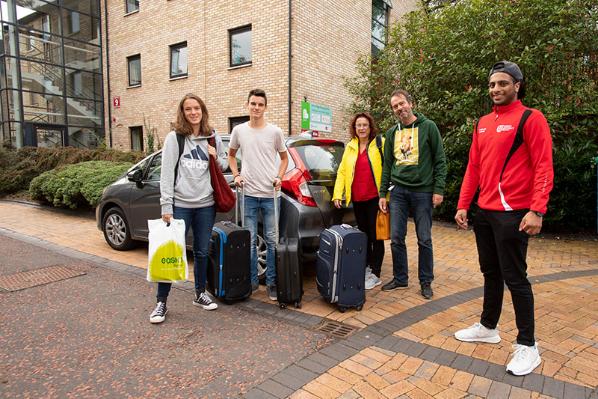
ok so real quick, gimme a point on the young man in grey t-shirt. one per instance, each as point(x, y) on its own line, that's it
point(260, 143)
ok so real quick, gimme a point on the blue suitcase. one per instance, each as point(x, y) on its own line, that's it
point(341, 263)
point(228, 274)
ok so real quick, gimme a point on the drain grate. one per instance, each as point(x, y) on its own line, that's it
point(32, 278)
point(335, 329)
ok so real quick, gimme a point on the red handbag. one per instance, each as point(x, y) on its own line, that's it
point(224, 198)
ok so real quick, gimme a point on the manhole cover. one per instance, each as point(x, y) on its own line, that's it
point(335, 328)
point(32, 278)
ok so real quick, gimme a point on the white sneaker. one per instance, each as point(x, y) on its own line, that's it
point(159, 313)
point(372, 282)
point(478, 333)
point(525, 360)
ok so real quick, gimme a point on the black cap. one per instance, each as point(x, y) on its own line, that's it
point(507, 67)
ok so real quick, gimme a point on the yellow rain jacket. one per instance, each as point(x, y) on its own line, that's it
point(346, 170)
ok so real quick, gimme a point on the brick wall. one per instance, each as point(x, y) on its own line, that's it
point(327, 36)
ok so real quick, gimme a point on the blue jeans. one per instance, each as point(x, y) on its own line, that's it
point(253, 206)
point(201, 221)
point(402, 201)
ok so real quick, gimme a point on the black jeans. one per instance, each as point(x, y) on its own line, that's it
point(502, 250)
point(365, 215)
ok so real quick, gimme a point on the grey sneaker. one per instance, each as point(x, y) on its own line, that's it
point(159, 313)
point(203, 299)
point(271, 291)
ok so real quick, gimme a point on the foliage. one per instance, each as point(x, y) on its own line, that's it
point(153, 140)
point(443, 58)
point(77, 185)
point(18, 168)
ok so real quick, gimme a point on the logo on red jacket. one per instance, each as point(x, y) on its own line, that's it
point(504, 128)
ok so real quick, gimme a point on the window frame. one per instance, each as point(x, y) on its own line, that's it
point(139, 129)
point(231, 33)
point(132, 10)
point(178, 46)
point(129, 59)
point(375, 41)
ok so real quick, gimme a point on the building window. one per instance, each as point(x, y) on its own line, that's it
point(74, 21)
point(178, 60)
point(237, 120)
point(77, 83)
point(380, 12)
point(240, 46)
point(131, 6)
point(136, 138)
point(134, 66)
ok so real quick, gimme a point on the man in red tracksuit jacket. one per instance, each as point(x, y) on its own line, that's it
point(512, 201)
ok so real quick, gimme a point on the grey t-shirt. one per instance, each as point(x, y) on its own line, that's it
point(260, 159)
point(193, 187)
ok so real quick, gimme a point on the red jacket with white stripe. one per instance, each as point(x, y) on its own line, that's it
point(528, 177)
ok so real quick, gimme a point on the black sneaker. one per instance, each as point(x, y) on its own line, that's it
point(271, 291)
point(427, 290)
point(159, 313)
point(394, 285)
point(202, 299)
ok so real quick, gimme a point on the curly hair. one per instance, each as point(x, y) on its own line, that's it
point(182, 125)
point(373, 127)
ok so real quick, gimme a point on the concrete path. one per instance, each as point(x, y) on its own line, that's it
point(401, 345)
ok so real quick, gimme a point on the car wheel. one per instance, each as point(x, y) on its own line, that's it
point(262, 251)
point(116, 230)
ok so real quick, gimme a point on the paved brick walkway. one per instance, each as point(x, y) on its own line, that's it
point(404, 346)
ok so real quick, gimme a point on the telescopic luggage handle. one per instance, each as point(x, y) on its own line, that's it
point(276, 215)
point(240, 204)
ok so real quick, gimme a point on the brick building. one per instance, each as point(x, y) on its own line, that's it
point(158, 50)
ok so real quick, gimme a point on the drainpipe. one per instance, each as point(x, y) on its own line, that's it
point(108, 73)
point(290, 58)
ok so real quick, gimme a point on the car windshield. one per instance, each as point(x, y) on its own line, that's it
point(321, 159)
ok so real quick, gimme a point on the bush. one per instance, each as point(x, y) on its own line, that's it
point(443, 58)
point(77, 185)
point(18, 168)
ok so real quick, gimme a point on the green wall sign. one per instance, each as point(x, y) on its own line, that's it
point(316, 117)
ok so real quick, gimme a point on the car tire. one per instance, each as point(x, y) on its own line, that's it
point(116, 230)
point(261, 258)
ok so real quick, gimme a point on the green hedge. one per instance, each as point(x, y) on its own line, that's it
point(78, 185)
point(18, 168)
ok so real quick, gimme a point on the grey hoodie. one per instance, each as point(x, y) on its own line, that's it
point(193, 187)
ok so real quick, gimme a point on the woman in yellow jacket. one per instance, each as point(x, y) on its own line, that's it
point(358, 178)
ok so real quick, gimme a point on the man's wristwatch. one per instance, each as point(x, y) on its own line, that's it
point(539, 214)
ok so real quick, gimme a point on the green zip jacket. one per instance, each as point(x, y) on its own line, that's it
point(414, 158)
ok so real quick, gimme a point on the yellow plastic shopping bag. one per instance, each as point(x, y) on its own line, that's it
point(167, 255)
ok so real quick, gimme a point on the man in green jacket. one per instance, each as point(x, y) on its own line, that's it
point(415, 170)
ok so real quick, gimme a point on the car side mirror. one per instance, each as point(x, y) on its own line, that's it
point(135, 175)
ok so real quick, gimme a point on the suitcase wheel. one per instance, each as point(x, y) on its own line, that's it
point(298, 305)
point(282, 305)
point(359, 307)
point(342, 309)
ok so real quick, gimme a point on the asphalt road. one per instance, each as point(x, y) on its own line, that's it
point(90, 336)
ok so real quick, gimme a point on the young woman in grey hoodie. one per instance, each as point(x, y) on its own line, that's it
point(186, 191)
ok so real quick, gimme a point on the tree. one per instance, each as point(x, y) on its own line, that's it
point(443, 58)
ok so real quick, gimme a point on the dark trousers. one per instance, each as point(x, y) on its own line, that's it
point(402, 201)
point(502, 250)
point(365, 215)
point(201, 221)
